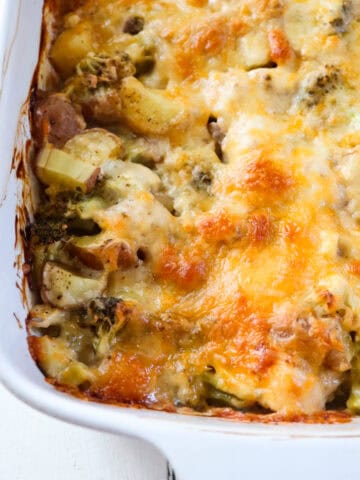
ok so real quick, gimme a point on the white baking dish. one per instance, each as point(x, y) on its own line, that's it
point(198, 448)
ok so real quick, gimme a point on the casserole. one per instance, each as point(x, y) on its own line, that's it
point(197, 447)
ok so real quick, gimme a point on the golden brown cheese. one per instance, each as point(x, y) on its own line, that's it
point(234, 247)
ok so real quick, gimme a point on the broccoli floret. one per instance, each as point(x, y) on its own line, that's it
point(103, 311)
point(95, 86)
point(100, 69)
point(50, 223)
point(49, 230)
point(107, 316)
point(56, 221)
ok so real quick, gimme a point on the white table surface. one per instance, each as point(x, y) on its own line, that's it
point(36, 447)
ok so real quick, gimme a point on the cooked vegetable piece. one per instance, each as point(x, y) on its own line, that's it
point(103, 310)
point(224, 386)
point(63, 288)
point(55, 118)
point(218, 398)
point(95, 146)
point(150, 111)
point(255, 50)
point(76, 374)
point(108, 315)
point(99, 69)
point(44, 316)
point(121, 177)
point(56, 167)
point(46, 230)
point(145, 153)
point(59, 361)
point(95, 86)
point(353, 402)
point(103, 107)
point(101, 251)
point(71, 46)
point(53, 225)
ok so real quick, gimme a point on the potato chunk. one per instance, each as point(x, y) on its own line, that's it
point(123, 177)
point(54, 166)
point(65, 289)
point(95, 146)
point(44, 316)
point(59, 361)
point(70, 47)
point(150, 111)
point(103, 252)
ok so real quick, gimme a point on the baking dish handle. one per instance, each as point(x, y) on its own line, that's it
point(221, 456)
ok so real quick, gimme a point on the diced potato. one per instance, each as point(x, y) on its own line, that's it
point(144, 152)
point(65, 289)
point(58, 362)
point(95, 146)
point(329, 243)
point(101, 251)
point(44, 316)
point(75, 374)
point(70, 47)
point(150, 111)
point(255, 50)
point(337, 285)
point(53, 355)
point(121, 177)
point(349, 167)
point(54, 166)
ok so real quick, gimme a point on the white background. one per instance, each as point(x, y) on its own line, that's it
point(35, 447)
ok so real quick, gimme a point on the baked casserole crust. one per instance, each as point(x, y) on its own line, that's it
point(196, 240)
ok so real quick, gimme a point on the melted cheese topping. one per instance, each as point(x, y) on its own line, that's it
point(247, 283)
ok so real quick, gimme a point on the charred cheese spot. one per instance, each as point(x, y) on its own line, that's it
point(186, 269)
point(200, 42)
point(127, 378)
point(249, 338)
point(265, 177)
point(259, 228)
point(220, 228)
point(280, 48)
